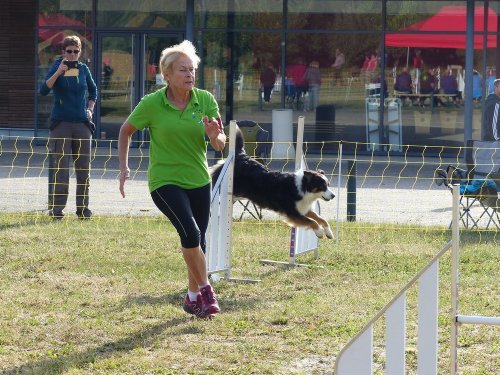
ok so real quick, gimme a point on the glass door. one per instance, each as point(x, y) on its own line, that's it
point(118, 65)
point(128, 70)
point(153, 46)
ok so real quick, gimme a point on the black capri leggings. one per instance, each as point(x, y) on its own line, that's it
point(188, 210)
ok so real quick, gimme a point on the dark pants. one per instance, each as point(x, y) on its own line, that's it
point(267, 93)
point(299, 92)
point(435, 100)
point(404, 91)
point(69, 141)
point(188, 210)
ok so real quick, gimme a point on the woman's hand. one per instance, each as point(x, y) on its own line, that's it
point(60, 71)
point(126, 132)
point(215, 132)
point(62, 68)
point(124, 176)
point(212, 127)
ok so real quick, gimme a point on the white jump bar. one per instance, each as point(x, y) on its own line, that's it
point(474, 319)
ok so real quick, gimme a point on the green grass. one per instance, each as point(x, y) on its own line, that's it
point(104, 297)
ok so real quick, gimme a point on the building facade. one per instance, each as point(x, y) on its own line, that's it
point(336, 62)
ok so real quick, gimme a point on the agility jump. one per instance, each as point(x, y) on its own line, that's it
point(357, 356)
point(219, 233)
point(302, 241)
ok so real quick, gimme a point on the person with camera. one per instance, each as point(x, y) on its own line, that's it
point(71, 128)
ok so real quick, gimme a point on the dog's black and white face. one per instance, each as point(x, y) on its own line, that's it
point(312, 186)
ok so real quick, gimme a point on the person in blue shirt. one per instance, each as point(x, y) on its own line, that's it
point(71, 128)
point(477, 86)
point(449, 85)
point(490, 82)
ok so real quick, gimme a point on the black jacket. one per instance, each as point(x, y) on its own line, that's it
point(491, 119)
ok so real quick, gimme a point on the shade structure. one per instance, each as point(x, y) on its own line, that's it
point(447, 19)
point(56, 36)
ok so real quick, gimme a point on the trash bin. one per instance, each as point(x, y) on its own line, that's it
point(392, 124)
point(325, 124)
point(282, 125)
point(372, 124)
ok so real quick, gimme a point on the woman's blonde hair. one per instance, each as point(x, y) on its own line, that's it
point(72, 40)
point(170, 54)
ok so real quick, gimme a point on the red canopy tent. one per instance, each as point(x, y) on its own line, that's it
point(451, 19)
point(56, 36)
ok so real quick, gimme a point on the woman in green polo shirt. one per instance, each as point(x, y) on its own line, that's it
point(178, 117)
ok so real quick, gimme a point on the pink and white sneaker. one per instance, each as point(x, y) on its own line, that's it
point(195, 307)
point(209, 300)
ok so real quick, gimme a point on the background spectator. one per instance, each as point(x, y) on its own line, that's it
point(491, 118)
point(267, 80)
point(403, 83)
point(297, 75)
point(107, 71)
point(337, 65)
point(371, 67)
point(490, 82)
point(449, 85)
point(71, 129)
point(477, 87)
point(429, 85)
point(313, 76)
point(418, 62)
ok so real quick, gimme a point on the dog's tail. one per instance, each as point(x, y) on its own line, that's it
point(239, 147)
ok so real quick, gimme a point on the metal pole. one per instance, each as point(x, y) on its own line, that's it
point(339, 162)
point(351, 190)
point(455, 238)
point(51, 182)
point(469, 64)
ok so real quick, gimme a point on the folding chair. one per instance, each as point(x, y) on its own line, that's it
point(249, 208)
point(483, 164)
point(479, 185)
point(256, 140)
point(257, 146)
point(484, 193)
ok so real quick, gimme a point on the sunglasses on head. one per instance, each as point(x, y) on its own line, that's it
point(75, 51)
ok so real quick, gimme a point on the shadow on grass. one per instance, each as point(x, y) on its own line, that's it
point(62, 364)
point(35, 219)
point(176, 299)
point(140, 339)
point(474, 236)
point(142, 299)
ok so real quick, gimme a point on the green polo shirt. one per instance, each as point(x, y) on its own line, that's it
point(178, 151)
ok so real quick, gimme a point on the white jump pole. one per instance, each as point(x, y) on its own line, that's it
point(455, 238)
point(475, 319)
point(337, 221)
point(457, 319)
point(300, 140)
point(229, 196)
point(301, 240)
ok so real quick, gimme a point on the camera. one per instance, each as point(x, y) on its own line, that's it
point(71, 64)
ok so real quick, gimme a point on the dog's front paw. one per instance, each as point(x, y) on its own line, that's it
point(329, 233)
point(319, 232)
